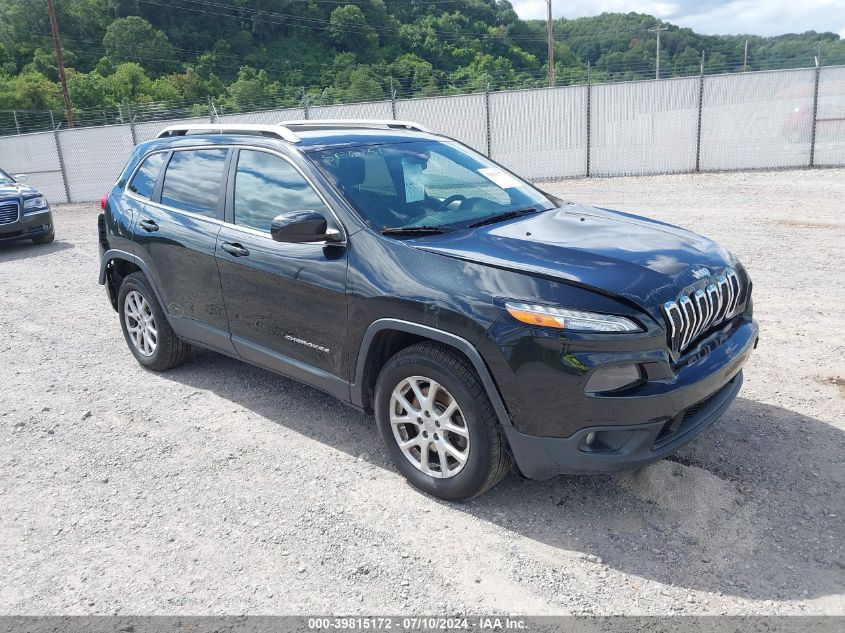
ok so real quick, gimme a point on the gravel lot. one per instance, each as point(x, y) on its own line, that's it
point(222, 488)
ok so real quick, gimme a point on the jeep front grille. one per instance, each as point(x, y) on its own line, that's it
point(698, 312)
point(8, 212)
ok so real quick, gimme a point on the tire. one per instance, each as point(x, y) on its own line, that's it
point(44, 239)
point(153, 342)
point(476, 436)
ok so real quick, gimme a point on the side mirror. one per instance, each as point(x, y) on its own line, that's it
point(302, 226)
point(20, 177)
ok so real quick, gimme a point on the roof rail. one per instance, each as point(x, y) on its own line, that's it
point(285, 130)
point(339, 124)
point(277, 130)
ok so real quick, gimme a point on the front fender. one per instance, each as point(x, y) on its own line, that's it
point(447, 338)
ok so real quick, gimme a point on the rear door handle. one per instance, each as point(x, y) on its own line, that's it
point(234, 249)
point(149, 226)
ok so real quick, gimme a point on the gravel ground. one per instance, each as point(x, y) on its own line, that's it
point(222, 488)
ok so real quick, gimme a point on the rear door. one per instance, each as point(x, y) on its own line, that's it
point(286, 302)
point(176, 235)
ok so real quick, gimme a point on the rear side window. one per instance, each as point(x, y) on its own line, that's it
point(265, 186)
point(145, 178)
point(192, 180)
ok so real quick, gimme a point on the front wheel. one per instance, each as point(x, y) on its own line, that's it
point(145, 328)
point(437, 423)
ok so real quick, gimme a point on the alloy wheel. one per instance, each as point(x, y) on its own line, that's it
point(140, 323)
point(429, 427)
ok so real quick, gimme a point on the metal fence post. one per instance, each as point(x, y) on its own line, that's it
point(700, 108)
point(304, 103)
point(815, 113)
point(61, 157)
point(487, 116)
point(15, 116)
point(589, 97)
point(131, 125)
point(213, 116)
point(392, 99)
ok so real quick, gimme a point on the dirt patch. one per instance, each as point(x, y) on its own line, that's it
point(836, 382)
point(810, 225)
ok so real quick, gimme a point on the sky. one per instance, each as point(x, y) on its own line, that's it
point(713, 17)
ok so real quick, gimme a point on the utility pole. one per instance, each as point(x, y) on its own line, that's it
point(658, 29)
point(745, 58)
point(57, 43)
point(551, 43)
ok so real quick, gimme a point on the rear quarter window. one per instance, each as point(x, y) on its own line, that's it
point(144, 180)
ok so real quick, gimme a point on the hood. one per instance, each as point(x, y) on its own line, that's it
point(15, 190)
point(645, 261)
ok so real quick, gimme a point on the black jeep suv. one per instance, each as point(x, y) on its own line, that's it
point(483, 321)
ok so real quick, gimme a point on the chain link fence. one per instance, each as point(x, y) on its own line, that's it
point(753, 120)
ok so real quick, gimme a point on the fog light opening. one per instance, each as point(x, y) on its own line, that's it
point(605, 441)
point(614, 378)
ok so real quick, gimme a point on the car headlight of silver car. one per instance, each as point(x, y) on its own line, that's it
point(566, 319)
point(37, 204)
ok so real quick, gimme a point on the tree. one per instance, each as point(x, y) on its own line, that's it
point(33, 91)
point(128, 84)
point(349, 30)
point(133, 39)
point(44, 62)
point(413, 75)
point(252, 90)
point(364, 85)
point(87, 90)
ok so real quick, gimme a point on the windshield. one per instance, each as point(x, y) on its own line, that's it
point(5, 179)
point(429, 184)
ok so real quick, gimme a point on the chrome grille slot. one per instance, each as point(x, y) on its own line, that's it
point(696, 313)
point(9, 212)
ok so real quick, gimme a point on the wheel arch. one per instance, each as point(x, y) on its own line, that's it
point(385, 337)
point(115, 265)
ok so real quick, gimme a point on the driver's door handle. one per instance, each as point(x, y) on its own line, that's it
point(234, 249)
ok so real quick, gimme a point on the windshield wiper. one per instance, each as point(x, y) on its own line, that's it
point(415, 230)
point(501, 217)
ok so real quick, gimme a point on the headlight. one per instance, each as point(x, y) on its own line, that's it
point(30, 205)
point(565, 319)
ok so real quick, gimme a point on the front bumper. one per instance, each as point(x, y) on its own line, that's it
point(632, 430)
point(27, 226)
point(545, 457)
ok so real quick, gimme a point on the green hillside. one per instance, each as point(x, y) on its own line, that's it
point(249, 53)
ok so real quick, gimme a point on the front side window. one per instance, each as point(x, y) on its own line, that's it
point(145, 178)
point(426, 184)
point(266, 186)
point(192, 180)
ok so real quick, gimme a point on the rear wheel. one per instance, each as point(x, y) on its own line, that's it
point(437, 423)
point(145, 328)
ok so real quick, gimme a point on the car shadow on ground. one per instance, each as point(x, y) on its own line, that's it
point(752, 508)
point(13, 251)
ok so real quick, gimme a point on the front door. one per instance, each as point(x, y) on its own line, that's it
point(286, 303)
